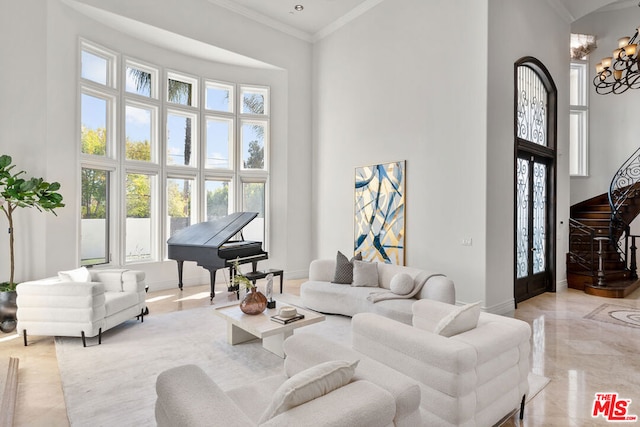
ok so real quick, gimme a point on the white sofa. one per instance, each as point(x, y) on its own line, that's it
point(186, 396)
point(80, 303)
point(320, 294)
point(472, 378)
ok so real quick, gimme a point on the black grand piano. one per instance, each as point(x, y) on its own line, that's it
point(209, 244)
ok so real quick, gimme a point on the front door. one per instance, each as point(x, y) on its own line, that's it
point(535, 117)
point(532, 226)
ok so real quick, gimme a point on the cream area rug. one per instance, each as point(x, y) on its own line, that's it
point(114, 383)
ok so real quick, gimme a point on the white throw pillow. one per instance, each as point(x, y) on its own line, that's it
point(462, 319)
point(365, 274)
point(308, 385)
point(401, 284)
point(78, 275)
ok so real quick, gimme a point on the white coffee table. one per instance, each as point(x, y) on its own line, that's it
point(245, 327)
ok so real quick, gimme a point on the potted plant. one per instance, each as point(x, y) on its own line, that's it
point(19, 192)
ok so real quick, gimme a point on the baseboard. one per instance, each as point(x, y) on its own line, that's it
point(296, 274)
point(506, 308)
point(199, 280)
point(562, 285)
point(8, 403)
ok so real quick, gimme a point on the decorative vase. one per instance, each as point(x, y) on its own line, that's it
point(8, 309)
point(254, 302)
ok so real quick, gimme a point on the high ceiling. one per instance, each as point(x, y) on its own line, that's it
point(317, 15)
point(576, 9)
point(320, 17)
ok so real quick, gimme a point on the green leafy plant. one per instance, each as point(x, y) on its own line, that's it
point(239, 279)
point(7, 287)
point(18, 192)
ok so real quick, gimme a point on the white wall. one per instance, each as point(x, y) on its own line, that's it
point(432, 83)
point(613, 134)
point(519, 28)
point(23, 124)
point(393, 85)
point(45, 67)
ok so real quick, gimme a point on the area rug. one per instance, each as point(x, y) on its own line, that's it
point(616, 314)
point(536, 384)
point(114, 383)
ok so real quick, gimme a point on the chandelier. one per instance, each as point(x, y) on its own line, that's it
point(619, 72)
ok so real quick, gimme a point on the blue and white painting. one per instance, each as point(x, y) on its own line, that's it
point(379, 212)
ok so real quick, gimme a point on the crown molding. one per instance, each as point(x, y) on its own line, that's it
point(166, 39)
point(618, 5)
point(356, 12)
point(262, 19)
point(562, 11)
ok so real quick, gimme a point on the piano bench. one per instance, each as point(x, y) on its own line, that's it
point(255, 275)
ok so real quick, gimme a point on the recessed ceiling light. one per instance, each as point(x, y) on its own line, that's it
point(299, 7)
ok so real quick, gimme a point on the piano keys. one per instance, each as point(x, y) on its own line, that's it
point(209, 244)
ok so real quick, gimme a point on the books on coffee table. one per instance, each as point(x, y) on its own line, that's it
point(285, 320)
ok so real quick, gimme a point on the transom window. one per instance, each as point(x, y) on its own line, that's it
point(155, 159)
point(532, 107)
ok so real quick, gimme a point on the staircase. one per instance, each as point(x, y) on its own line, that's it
point(601, 224)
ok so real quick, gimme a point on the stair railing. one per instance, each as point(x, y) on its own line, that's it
point(625, 185)
point(582, 245)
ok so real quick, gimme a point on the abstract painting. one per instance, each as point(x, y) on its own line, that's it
point(379, 212)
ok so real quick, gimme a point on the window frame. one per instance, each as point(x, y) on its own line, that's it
point(119, 167)
point(581, 110)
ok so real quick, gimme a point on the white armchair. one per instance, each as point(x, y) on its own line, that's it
point(80, 303)
point(473, 374)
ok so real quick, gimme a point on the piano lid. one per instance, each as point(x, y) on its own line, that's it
point(212, 233)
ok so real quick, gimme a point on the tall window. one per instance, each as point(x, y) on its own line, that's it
point(578, 119)
point(162, 150)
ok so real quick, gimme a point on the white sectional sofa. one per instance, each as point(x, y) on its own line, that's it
point(305, 393)
point(473, 378)
point(80, 303)
point(319, 293)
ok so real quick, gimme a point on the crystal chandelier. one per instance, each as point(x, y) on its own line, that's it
point(619, 72)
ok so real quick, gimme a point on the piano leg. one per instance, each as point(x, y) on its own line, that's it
point(212, 279)
point(180, 263)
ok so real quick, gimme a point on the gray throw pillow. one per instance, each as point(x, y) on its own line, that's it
point(344, 269)
point(365, 274)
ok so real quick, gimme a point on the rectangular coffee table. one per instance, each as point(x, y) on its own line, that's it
point(245, 327)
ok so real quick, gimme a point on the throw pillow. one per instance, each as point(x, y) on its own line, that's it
point(401, 284)
point(344, 269)
point(308, 385)
point(462, 319)
point(365, 274)
point(78, 275)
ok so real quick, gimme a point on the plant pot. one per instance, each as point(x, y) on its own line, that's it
point(254, 302)
point(8, 309)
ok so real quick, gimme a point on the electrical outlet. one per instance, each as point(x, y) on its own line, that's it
point(467, 241)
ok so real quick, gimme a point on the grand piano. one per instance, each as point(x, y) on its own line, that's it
point(209, 244)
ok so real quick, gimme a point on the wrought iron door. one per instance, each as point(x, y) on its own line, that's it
point(535, 169)
point(532, 226)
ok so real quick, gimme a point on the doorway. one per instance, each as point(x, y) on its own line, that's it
point(534, 168)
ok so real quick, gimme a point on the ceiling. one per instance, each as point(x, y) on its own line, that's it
point(317, 17)
point(321, 17)
point(576, 9)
